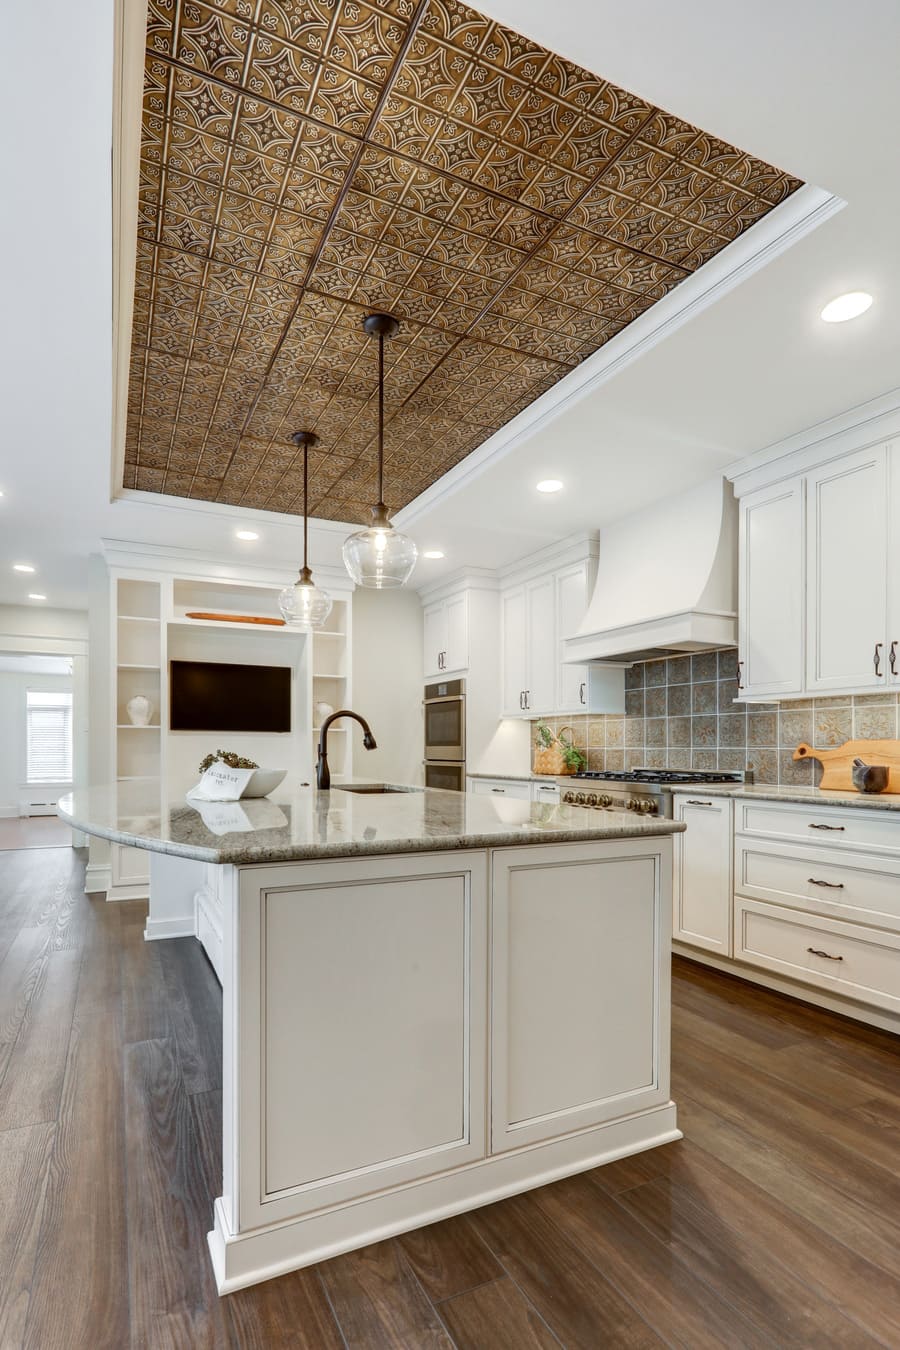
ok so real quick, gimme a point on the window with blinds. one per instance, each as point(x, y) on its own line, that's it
point(48, 737)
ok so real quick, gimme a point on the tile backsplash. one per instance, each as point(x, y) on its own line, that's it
point(680, 713)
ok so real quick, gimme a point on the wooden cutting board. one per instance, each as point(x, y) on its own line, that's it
point(837, 764)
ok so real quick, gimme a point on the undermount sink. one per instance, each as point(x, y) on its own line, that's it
point(372, 787)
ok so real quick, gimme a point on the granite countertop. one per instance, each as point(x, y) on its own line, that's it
point(807, 796)
point(308, 824)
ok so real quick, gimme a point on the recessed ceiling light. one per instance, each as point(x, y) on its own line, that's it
point(549, 485)
point(246, 534)
point(844, 307)
point(22, 567)
point(33, 595)
point(432, 553)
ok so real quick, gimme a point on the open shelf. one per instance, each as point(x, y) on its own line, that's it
point(131, 726)
point(130, 665)
point(136, 618)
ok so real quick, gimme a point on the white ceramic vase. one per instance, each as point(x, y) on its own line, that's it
point(139, 709)
point(322, 710)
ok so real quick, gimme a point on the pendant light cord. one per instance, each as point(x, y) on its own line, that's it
point(381, 418)
point(305, 505)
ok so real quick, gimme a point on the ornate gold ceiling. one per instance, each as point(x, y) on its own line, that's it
point(307, 161)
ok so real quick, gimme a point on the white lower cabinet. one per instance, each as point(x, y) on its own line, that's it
point(702, 882)
point(847, 958)
point(569, 962)
point(545, 792)
point(813, 895)
point(501, 787)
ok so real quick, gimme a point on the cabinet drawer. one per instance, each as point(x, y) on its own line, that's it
point(857, 887)
point(827, 826)
point(858, 962)
point(501, 787)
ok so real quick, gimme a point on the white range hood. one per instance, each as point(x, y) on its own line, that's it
point(666, 581)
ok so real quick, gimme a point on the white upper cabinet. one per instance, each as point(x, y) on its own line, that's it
point(770, 631)
point(446, 636)
point(572, 595)
point(540, 688)
point(847, 571)
point(892, 636)
point(536, 616)
point(514, 630)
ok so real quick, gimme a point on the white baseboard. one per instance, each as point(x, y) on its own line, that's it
point(97, 877)
point(242, 1259)
point(156, 930)
point(873, 1017)
point(8, 812)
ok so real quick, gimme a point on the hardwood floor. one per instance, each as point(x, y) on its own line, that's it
point(34, 832)
point(775, 1222)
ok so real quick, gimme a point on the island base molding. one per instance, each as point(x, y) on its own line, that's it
point(805, 993)
point(264, 1253)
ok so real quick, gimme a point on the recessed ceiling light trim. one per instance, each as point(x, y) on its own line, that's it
point(848, 306)
point(246, 534)
point(432, 553)
point(34, 595)
point(23, 567)
point(549, 485)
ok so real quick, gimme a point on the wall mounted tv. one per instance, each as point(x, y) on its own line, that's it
point(214, 696)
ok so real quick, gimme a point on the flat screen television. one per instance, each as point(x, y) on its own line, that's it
point(214, 696)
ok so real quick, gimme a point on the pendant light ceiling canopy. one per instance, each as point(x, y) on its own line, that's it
point(304, 605)
point(380, 558)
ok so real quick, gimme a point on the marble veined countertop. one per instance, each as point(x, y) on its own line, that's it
point(807, 796)
point(308, 824)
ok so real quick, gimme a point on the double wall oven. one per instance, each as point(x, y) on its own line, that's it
point(445, 735)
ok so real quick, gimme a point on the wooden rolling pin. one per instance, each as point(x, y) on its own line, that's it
point(837, 764)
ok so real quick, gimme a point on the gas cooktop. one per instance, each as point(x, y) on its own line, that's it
point(661, 776)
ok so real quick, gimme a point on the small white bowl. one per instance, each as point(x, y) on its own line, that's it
point(263, 782)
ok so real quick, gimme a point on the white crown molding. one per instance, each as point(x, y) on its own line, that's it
point(859, 427)
point(232, 513)
point(197, 563)
point(463, 578)
point(574, 548)
point(807, 209)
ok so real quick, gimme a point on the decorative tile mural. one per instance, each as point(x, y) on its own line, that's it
point(304, 162)
point(681, 713)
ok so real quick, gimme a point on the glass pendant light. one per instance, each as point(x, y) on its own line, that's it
point(304, 605)
point(380, 557)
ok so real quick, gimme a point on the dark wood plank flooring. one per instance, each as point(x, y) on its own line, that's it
point(775, 1222)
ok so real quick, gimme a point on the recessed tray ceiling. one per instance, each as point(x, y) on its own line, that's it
point(306, 162)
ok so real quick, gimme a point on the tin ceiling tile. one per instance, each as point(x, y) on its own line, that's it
point(306, 161)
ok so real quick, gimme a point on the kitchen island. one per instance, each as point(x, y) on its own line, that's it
point(431, 1000)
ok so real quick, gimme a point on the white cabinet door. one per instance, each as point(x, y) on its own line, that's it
point(540, 687)
point(571, 962)
point(893, 534)
point(571, 603)
point(456, 644)
point(517, 789)
point(847, 566)
point(702, 890)
point(514, 635)
point(434, 638)
point(771, 591)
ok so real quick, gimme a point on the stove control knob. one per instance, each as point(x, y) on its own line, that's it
point(647, 806)
point(569, 797)
point(632, 804)
point(592, 799)
point(604, 800)
point(580, 799)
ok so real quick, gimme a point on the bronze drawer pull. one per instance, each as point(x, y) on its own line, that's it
point(832, 885)
point(693, 802)
point(828, 827)
point(814, 951)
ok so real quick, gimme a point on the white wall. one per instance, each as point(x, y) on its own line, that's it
point(27, 621)
point(388, 684)
point(13, 688)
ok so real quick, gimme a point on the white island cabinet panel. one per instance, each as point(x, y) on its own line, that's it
point(702, 909)
point(368, 999)
point(575, 958)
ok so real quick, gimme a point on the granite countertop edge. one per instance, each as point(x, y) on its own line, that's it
point(630, 828)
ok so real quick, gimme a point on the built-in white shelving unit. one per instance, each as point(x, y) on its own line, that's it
point(151, 599)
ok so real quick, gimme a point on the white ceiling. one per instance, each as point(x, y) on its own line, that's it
point(810, 87)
